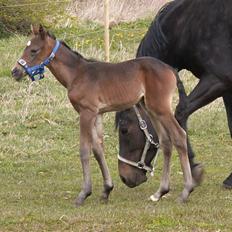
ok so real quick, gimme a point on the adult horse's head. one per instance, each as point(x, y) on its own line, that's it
point(36, 55)
point(135, 151)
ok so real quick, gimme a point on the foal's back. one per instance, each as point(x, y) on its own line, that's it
point(116, 86)
point(140, 70)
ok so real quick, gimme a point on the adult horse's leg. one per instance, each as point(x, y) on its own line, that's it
point(208, 89)
point(227, 98)
point(196, 168)
point(98, 152)
point(87, 119)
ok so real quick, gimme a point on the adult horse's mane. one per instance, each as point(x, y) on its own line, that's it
point(155, 37)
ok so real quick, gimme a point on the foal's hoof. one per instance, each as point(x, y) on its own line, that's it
point(181, 200)
point(227, 183)
point(198, 174)
point(104, 199)
point(79, 202)
point(105, 194)
point(154, 198)
point(81, 198)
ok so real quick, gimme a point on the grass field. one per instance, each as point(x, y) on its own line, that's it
point(40, 171)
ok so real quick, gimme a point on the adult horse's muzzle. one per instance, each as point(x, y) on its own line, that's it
point(130, 175)
point(132, 183)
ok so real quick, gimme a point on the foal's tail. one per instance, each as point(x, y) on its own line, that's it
point(227, 98)
point(180, 86)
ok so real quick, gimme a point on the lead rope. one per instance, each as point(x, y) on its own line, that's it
point(149, 140)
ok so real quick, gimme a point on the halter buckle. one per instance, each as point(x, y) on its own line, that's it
point(140, 165)
point(142, 125)
point(22, 62)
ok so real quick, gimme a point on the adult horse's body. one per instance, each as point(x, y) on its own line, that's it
point(197, 36)
point(97, 87)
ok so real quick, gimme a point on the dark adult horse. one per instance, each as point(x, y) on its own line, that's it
point(186, 34)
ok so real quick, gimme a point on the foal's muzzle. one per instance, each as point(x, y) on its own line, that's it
point(17, 73)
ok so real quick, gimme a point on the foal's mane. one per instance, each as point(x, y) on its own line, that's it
point(75, 52)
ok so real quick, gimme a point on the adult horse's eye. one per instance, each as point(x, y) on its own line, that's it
point(124, 130)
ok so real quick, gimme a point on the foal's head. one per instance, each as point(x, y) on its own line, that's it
point(37, 50)
point(131, 146)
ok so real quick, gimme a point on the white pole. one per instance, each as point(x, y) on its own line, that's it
point(107, 32)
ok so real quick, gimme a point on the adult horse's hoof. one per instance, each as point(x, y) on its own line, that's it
point(197, 173)
point(227, 183)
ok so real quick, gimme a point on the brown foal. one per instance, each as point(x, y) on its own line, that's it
point(97, 87)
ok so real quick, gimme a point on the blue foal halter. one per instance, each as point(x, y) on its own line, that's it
point(39, 69)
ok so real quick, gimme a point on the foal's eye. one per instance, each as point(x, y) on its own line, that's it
point(34, 51)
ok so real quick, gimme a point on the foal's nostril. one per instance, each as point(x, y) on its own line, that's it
point(14, 72)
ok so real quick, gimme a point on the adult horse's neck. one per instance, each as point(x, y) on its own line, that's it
point(65, 65)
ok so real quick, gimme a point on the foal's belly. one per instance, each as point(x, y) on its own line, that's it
point(116, 99)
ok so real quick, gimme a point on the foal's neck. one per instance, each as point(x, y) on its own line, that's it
point(66, 65)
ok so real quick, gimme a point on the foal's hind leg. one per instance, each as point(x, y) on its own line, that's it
point(98, 151)
point(166, 146)
point(178, 137)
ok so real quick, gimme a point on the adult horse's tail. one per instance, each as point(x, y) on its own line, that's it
point(227, 98)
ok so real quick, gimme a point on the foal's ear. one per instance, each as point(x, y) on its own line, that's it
point(38, 30)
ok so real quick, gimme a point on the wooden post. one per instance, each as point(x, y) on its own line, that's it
point(107, 32)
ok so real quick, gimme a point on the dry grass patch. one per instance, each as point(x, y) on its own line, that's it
point(120, 10)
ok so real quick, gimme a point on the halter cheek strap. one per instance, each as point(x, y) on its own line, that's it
point(39, 69)
point(149, 140)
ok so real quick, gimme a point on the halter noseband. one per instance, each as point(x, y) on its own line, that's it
point(149, 140)
point(39, 69)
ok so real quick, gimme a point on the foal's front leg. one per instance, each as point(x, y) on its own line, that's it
point(98, 151)
point(87, 119)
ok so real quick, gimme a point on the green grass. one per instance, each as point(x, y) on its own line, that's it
point(40, 171)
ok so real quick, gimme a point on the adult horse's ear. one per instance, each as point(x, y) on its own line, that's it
point(38, 30)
